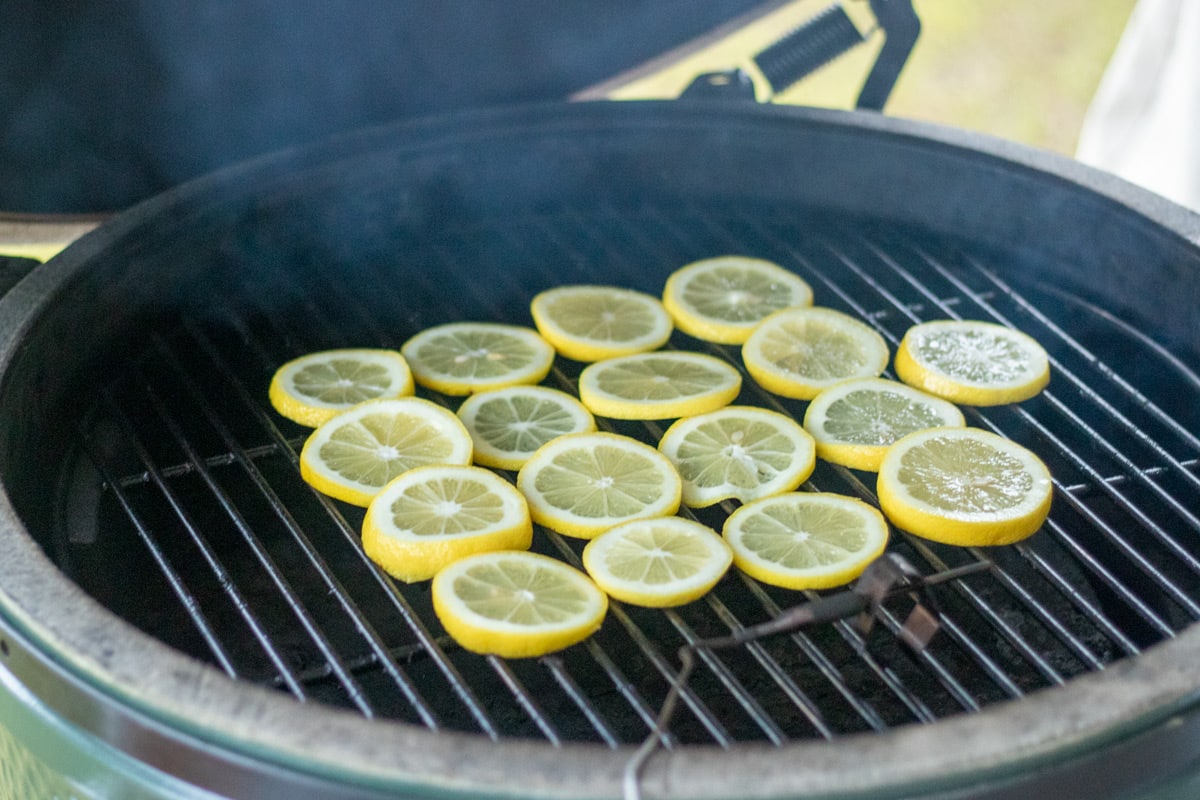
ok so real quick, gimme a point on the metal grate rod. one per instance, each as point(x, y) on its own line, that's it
point(188, 600)
point(399, 603)
point(380, 651)
point(218, 570)
point(577, 696)
point(273, 572)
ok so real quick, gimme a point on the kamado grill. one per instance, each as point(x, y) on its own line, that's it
point(181, 614)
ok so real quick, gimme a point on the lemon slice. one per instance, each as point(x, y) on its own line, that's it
point(658, 385)
point(314, 387)
point(738, 452)
point(856, 421)
point(974, 363)
point(722, 299)
point(508, 425)
point(590, 323)
point(657, 563)
point(806, 540)
point(432, 516)
point(798, 352)
point(964, 486)
point(516, 604)
point(583, 484)
point(352, 456)
point(465, 357)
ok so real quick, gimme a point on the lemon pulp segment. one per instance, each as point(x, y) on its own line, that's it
point(314, 387)
point(798, 352)
point(460, 358)
point(508, 425)
point(721, 299)
point(660, 385)
point(854, 422)
point(354, 454)
point(431, 516)
point(657, 563)
point(516, 604)
point(805, 540)
point(971, 362)
point(582, 484)
point(590, 323)
point(738, 452)
point(964, 486)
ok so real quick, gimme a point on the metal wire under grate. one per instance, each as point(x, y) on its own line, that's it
point(240, 564)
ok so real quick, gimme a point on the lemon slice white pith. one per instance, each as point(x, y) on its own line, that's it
point(314, 387)
point(352, 456)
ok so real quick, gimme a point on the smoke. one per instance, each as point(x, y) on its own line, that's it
point(104, 102)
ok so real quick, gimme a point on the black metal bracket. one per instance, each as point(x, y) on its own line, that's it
point(814, 44)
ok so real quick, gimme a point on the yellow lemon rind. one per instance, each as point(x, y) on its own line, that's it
point(484, 638)
point(774, 575)
point(312, 413)
point(412, 558)
point(605, 404)
point(710, 329)
point(964, 530)
point(580, 527)
point(671, 595)
point(800, 468)
point(581, 349)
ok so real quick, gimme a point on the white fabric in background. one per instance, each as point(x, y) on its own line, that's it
point(1144, 121)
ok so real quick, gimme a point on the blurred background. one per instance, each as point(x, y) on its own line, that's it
point(105, 102)
point(1024, 70)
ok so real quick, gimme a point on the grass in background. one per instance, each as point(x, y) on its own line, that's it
point(1021, 69)
point(1024, 70)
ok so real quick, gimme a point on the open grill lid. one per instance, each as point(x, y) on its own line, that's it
point(177, 505)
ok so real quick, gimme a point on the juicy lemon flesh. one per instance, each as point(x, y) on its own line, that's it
point(818, 353)
point(509, 427)
point(857, 427)
point(435, 515)
point(657, 563)
point(969, 478)
point(973, 490)
point(463, 359)
point(740, 457)
point(658, 387)
point(378, 447)
point(658, 379)
point(314, 388)
point(360, 455)
point(978, 364)
point(449, 506)
point(602, 483)
point(656, 557)
point(582, 484)
point(592, 323)
point(501, 604)
point(808, 544)
point(797, 355)
point(722, 299)
point(516, 594)
point(736, 295)
point(342, 381)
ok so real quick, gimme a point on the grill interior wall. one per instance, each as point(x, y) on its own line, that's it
point(204, 535)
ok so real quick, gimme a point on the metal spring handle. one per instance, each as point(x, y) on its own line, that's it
point(820, 40)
